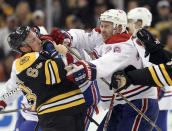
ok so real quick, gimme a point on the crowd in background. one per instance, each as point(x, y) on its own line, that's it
point(67, 14)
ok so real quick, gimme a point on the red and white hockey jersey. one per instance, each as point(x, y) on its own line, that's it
point(114, 54)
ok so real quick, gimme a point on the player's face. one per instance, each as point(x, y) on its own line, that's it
point(34, 42)
point(134, 25)
point(106, 29)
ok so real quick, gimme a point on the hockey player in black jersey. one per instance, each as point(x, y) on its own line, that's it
point(59, 102)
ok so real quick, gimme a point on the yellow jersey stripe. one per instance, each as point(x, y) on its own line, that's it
point(47, 72)
point(56, 71)
point(154, 76)
point(59, 97)
point(166, 75)
point(72, 104)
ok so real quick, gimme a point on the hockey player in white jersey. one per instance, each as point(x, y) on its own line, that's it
point(141, 18)
point(115, 51)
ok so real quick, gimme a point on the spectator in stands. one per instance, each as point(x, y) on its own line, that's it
point(168, 46)
point(72, 22)
point(11, 23)
point(161, 20)
point(164, 33)
point(23, 13)
point(38, 18)
point(99, 8)
point(132, 4)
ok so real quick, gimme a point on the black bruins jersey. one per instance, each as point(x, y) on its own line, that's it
point(157, 75)
point(44, 84)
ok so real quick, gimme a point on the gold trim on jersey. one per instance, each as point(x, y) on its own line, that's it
point(62, 107)
point(60, 102)
point(31, 97)
point(154, 76)
point(25, 61)
point(47, 73)
point(56, 71)
point(166, 75)
point(51, 72)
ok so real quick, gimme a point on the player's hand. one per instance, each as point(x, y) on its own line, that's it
point(61, 49)
point(120, 80)
point(2, 105)
point(150, 43)
point(61, 36)
point(81, 72)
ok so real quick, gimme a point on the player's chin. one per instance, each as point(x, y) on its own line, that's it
point(40, 48)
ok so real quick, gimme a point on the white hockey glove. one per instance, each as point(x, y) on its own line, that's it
point(81, 72)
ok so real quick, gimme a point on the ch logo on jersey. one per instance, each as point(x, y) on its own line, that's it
point(24, 60)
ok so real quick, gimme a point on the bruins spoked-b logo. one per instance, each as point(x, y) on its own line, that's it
point(24, 60)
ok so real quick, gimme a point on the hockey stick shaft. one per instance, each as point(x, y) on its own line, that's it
point(124, 98)
point(109, 113)
point(13, 110)
point(92, 120)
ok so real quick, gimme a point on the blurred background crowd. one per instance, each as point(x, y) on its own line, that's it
point(67, 14)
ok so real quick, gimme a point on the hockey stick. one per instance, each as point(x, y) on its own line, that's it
point(124, 98)
point(14, 110)
point(92, 120)
point(109, 113)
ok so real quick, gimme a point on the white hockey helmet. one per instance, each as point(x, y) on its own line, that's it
point(116, 16)
point(141, 13)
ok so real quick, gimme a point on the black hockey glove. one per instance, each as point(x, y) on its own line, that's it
point(120, 80)
point(150, 43)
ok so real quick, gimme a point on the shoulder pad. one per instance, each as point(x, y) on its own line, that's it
point(25, 61)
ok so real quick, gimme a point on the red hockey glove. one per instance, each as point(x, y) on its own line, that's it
point(61, 36)
point(2, 105)
point(81, 72)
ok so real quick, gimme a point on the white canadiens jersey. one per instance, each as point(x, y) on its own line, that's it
point(11, 92)
point(165, 103)
point(113, 57)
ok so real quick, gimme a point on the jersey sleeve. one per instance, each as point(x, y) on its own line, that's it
point(158, 75)
point(84, 40)
point(54, 71)
point(10, 92)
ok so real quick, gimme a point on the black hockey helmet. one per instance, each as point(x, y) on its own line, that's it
point(17, 37)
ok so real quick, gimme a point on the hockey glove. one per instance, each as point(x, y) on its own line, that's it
point(2, 105)
point(81, 72)
point(61, 36)
point(150, 43)
point(49, 47)
point(120, 80)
